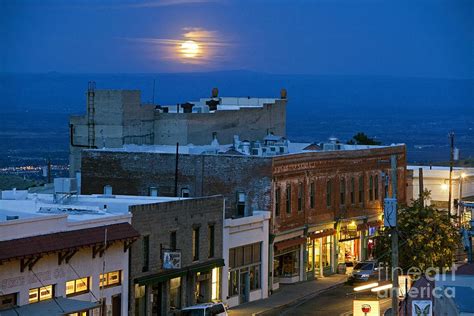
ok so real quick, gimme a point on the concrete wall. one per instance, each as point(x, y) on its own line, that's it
point(134, 173)
point(121, 119)
point(197, 128)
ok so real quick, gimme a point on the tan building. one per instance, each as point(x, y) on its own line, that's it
point(116, 117)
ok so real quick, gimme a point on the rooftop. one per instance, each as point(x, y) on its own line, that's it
point(76, 207)
point(271, 145)
point(210, 105)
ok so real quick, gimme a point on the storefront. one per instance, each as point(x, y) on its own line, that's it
point(319, 253)
point(287, 261)
point(349, 247)
point(174, 289)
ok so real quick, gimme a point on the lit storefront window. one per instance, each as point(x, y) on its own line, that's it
point(215, 284)
point(287, 264)
point(175, 293)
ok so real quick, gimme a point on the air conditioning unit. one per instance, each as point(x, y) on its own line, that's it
point(65, 185)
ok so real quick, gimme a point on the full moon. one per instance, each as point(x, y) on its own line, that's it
point(189, 49)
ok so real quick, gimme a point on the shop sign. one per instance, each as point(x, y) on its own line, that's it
point(352, 230)
point(366, 308)
point(424, 308)
point(171, 259)
point(372, 230)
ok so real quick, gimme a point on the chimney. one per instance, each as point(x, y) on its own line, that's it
point(283, 93)
point(214, 93)
point(187, 107)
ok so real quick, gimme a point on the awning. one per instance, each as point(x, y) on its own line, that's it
point(206, 266)
point(73, 239)
point(289, 243)
point(57, 307)
point(170, 274)
point(325, 233)
point(370, 224)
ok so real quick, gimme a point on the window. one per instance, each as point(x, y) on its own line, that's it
point(288, 198)
point(211, 232)
point(110, 279)
point(244, 261)
point(241, 203)
point(361, 189)
point(78, 286)
point(328, 193)
point(108, 190)
point(376, 188)
point(277, 202)
point(215, 284)
point(343, 191)
point(153, 191)
point(312, 190)
point(146, 252)
point(371, 187)
point(8, 301)
point(41, 294)
point(352, 191)
point(195, 243)
point(175, 293)
point(300, 196)
point(185, 192)
point(173, 240)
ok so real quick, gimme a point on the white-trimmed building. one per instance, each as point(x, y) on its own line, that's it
point(246, 258)
point(64, 254)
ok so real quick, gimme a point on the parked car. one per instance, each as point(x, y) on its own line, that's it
point(205, 309)
point(365, 271)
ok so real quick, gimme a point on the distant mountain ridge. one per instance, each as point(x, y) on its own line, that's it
point(307, 94)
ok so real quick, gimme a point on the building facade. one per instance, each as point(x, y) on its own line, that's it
point(246, 258)
point(326, 204)
point(61, 263)
point(177, 261)
point(327, 207)
point(116, 117)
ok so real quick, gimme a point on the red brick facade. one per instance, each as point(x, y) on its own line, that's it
point(338, 172)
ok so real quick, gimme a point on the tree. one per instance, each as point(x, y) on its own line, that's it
point(362, 139)
point(427, 238)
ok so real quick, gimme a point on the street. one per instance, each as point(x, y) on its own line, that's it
point(337, 301)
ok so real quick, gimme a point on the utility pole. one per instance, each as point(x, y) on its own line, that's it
point(421, 186)
point(394, 235)
point(451, 163)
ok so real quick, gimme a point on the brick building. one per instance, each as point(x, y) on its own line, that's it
point(326, 200)
point(327, 207)
point(176, 262)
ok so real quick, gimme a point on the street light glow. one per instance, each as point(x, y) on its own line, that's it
point(463, 175)
point(382, 287)
point(365, 287)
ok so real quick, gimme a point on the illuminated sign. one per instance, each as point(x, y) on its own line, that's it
point(366, 307)
point(404, 285)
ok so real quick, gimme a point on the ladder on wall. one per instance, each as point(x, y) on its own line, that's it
point(90, 114)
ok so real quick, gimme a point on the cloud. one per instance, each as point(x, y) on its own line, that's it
point(210, 47)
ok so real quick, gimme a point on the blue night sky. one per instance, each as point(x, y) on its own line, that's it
point(428, 38)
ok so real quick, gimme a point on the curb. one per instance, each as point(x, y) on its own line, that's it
point(299, 300)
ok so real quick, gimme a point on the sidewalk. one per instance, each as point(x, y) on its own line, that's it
point(287, 295)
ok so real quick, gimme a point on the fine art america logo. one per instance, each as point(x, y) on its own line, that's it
point(427, 290)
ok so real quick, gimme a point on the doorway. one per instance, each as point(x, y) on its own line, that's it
point(116, 305)
point(244, 287)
